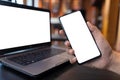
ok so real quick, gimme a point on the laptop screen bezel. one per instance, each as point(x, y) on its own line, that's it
point(8, 50)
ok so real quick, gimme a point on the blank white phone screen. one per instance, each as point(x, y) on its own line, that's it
point(80, 37)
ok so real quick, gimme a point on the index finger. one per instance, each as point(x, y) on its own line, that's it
point(61, 32)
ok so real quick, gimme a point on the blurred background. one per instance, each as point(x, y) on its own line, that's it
point(102, 13)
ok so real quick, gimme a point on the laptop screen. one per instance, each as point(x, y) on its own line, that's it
point(22, 26)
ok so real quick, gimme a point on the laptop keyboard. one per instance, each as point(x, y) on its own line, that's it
point(32, 57)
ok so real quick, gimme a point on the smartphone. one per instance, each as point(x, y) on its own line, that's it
point(80, 37)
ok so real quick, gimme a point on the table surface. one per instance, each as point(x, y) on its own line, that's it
point(66, 71)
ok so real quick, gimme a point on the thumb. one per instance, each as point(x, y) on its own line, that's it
point(95, 32)
point(91, 27)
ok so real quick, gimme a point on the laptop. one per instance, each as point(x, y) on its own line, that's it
point(25, 40)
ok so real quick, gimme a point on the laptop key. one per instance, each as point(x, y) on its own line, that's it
point(35, 56)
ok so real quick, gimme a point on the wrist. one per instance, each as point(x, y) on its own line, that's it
point(114, 64)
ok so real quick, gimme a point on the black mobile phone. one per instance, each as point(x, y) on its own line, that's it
point(81, 40)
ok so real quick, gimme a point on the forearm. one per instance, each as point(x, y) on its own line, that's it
point(114, 64)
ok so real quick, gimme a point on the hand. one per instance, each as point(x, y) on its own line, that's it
point(103, 45)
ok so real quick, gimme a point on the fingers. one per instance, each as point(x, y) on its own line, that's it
point(61, 32)
point(67, 43)
point(92, 27)
point(73, 60)
point(71, 51)
point(95, 32)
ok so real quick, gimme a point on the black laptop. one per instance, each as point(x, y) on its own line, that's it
point(25, 39)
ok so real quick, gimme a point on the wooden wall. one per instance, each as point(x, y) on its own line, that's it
point(110, 21)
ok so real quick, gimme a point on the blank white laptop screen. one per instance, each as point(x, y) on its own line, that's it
point(21, 27)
